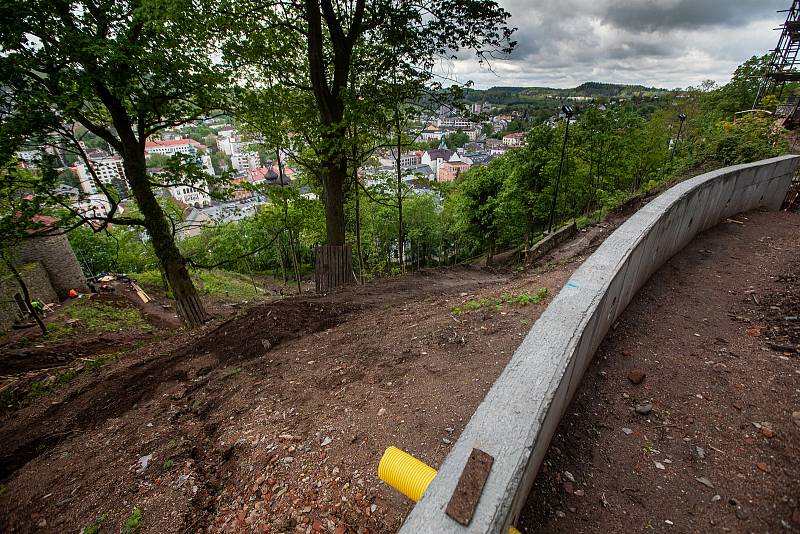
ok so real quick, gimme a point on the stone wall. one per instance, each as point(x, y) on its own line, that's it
point(59, 260)
point(39, 287)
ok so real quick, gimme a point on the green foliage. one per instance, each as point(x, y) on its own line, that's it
point(168, 464)
point(118, 249)
point(94, 528)
point(218, 283)
point(750, 138)
point(133, 522)
point(496, 303)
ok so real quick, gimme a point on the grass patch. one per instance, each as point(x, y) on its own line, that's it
point(230, 371)
point(133, 523)
point(169, 463)
point(92, 317)
point(94, 528)
point(522, 299)
point(214, 283)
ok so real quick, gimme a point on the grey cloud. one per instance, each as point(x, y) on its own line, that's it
point(667, 43)
point(665, 15)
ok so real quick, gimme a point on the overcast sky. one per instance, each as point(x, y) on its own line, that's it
point(662, 43)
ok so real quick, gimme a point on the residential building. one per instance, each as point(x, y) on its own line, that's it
point(175, 146)
point(514, 139)
point(431, 133)
point(451, 170)
point(245, 161)
point(456, 123)
point(191, 196)
point(108, 169)
point(407, 159)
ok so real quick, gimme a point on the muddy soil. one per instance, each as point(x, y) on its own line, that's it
point(269, 420)
point(715, 335)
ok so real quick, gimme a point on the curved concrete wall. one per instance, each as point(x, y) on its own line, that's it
point(517, 418)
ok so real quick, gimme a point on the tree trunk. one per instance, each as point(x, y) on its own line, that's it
point(25, 294)
point(333, 182)
point(188, 303)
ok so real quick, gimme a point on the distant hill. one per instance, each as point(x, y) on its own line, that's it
point(523, 95)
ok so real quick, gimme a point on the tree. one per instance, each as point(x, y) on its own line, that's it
point(334, 58)
point(123, 71)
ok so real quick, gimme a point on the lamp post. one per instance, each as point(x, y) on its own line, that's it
point(568, 113)
point(682, 118)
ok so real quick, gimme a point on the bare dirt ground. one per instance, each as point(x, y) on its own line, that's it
point(271, 421)
point(716, 334)
point(274, 419)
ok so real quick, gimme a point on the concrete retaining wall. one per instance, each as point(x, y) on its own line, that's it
point(58, 258)
point(552, 241)
point(517, 418)
point(39, 287)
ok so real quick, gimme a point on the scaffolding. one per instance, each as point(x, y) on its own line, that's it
point(783, 66)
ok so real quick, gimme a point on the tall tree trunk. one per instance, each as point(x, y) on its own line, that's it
point(401, 238)
point(333, 182)
point(187, 301)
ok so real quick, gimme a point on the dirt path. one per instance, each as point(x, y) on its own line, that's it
point(271, 421)
point(719, 450)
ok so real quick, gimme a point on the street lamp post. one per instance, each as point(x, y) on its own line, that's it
point(568, 112)
point(682, 118)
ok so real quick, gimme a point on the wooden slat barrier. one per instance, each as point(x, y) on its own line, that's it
point(334, 267)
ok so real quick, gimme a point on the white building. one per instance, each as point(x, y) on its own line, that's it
point(170, 148)
point(109, 170)
point(207, 164)
point(245, 161)
point(407, 159)
point(456, 123)
point(234, 144)
point(190, 195)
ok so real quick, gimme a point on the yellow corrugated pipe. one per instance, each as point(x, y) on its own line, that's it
point(408, 475)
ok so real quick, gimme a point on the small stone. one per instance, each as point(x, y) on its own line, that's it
point(447, 441)
point(742, 513)
point(316, 526)
point(42, 523)
point(767, 432)
point(266, 343)
point(325, 442)
point(644, 409)
point(144, 461)
point(762, 466)
point(659, 465)
point(569, 476)
point(580, 493)
point(700, 452)
point(373, 507)
point(636, 376)
point(627, 431)
point(667, 521)
point(705, 481)
point(560, 514)
point(716, 498)
point(381, 412)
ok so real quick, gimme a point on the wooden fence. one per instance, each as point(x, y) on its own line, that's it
point(333, 267)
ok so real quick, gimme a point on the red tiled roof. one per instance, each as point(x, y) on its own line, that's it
point(174, 142)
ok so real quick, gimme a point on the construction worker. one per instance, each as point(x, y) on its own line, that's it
point(73, 293)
